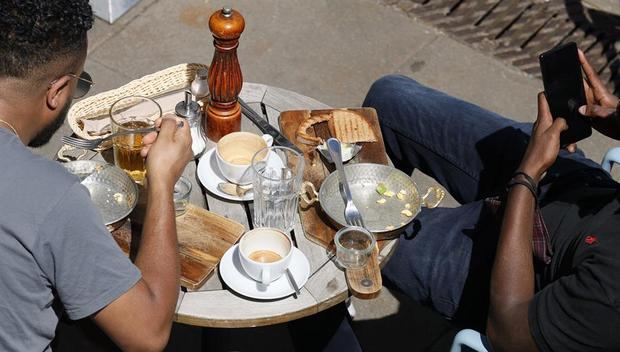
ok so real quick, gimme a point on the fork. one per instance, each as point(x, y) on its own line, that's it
point(351, 214)
point(94, 143)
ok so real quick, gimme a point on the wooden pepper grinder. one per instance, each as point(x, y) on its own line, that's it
point(223, 113)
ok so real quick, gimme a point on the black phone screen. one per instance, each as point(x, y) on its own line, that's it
point(562, 78)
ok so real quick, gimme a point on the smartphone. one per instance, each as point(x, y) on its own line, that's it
point(563, 82)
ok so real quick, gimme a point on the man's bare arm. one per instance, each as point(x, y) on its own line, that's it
point(512, 277)
point(512, 283)
point(141, 318)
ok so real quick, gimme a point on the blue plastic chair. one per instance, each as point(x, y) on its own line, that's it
point(469, 340)
point(612, 156)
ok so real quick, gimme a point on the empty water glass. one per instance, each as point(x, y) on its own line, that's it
point(354, 246)
point(277, 182)
point(182, 190)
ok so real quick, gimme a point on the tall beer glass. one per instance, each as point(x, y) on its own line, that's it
point(129, 114)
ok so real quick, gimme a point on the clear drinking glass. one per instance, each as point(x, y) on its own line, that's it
point(182, 189)
point(128, 114)
point(354, 246)
point(277, 182)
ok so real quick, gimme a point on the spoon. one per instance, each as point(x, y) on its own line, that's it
point(234, 189)
point(293, 282)
point(348, 151)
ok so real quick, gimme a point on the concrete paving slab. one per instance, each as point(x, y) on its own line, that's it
point(103, 31)
point(105, 77)
point(153, 41)
point(331, 51)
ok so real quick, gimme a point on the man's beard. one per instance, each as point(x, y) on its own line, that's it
point(46, 134)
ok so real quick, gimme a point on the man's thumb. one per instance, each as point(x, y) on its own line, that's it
point(559, 125)
point(595, 111)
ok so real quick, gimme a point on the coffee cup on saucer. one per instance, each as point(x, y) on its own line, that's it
point(265, 254)
point(234, 154)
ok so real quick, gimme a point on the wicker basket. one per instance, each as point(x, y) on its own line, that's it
point(154, 85)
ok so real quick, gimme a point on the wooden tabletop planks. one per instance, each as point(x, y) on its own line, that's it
point(211, 305)
point(226, 309)
point(317, 226)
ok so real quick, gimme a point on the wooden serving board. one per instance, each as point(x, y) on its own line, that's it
point(317, 225)
point(203, 236)
point(365, 280)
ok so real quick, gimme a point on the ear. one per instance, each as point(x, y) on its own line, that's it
point(59, 92)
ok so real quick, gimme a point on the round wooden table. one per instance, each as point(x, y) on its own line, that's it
point(214, 306)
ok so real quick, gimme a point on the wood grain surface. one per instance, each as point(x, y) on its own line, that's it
point(366, 282)
point(203, 236)
point(317, 225)
point(213, 304)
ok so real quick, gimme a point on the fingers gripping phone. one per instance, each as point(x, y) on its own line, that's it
point(563, 82)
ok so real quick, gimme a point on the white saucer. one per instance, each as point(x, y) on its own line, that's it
point(210, 175)
point(235, 277)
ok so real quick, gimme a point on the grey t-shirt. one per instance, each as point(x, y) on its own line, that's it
point(54, 249)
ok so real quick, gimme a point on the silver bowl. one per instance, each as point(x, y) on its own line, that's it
point(112, 191)
point(383, 219)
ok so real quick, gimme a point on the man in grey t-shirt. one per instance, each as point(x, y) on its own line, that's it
point(55, 252)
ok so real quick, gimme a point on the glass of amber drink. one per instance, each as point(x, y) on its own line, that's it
point(131, 114)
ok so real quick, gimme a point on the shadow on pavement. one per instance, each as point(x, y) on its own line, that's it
point(414, 328)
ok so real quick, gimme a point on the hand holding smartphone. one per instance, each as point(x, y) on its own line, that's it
point(563, 82)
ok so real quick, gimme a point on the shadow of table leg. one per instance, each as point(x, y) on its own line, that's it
point(329, 330)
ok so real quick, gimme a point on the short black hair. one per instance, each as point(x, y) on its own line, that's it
point(34, 33)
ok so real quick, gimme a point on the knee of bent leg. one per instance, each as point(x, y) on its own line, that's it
point(382, 89)
point(389, 94)
point(387, 88)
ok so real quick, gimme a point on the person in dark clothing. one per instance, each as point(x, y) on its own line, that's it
point(533, 251)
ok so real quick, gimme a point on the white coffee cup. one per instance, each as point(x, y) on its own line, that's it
point(234, 154)
point(265, 253)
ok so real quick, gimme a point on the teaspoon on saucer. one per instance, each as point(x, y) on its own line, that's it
point(291, 279)
point(234, 189)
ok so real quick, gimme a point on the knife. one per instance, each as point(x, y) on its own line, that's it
point(265, 127)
